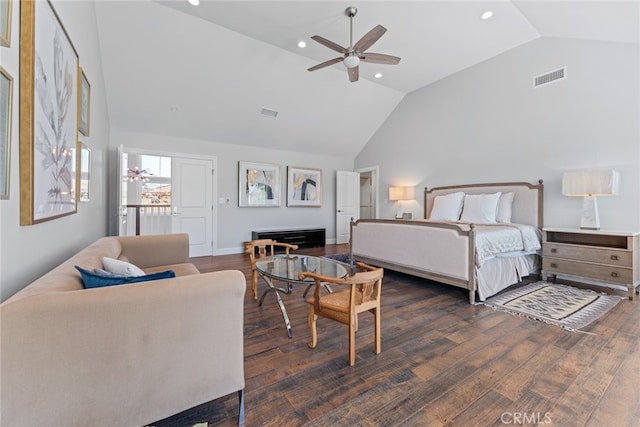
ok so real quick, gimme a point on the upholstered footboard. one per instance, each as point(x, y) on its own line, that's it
point(438, 251)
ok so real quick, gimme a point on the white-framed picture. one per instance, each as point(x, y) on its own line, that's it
point(304, 187)
point(258, 184)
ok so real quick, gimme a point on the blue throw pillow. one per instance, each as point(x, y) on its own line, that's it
point(93, 280)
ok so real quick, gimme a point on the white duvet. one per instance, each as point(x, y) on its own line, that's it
point(505, 240)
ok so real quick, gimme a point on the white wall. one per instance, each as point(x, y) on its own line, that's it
point(234, 223)
point(27, 252)
point(488, 124)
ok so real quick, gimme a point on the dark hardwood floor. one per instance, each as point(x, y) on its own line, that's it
point(443, 362)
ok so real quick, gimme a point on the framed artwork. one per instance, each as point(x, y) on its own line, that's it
point(83, 168)
point(6, 103)
point(84, 102)
point(304, 187)
point(5, 23)
point(48, 115)
point(259, 184)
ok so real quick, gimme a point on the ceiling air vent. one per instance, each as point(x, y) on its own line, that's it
point(269, 113)
point(550, 77)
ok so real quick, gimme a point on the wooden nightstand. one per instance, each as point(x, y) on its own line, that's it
point(603, 256)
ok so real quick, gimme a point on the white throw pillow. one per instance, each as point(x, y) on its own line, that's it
point(480, 208)
point(121, 268)
point(503, 214)
point(447, 207)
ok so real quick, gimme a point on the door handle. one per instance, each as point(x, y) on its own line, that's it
point(340, 210)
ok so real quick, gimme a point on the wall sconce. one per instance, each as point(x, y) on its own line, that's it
point(400, 194)
point(590, 185)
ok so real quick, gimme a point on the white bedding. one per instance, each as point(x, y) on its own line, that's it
point(505, 240)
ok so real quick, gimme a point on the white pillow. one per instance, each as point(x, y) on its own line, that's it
point(447, 207)
point(503, 214)
point(121, 268)
point(480, 208)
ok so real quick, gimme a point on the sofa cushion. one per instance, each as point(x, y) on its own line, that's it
point(121, 268)
point(183, 269)
point(97, 280)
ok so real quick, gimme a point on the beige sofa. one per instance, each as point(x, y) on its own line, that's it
point(125, 355)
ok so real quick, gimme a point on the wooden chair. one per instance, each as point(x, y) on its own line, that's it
point(344, 306)
point(262, 246)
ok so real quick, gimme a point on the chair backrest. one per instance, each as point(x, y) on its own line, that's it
point(262, 245)
point(366, 285)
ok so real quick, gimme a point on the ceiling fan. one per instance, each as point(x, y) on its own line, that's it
point(352, 55)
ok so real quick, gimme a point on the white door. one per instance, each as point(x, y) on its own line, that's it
point(347, 203)
point(192, 203)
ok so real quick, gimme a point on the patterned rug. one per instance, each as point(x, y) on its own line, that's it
point(565, 306)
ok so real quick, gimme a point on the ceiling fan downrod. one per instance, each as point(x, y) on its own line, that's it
point(351, 11)
point(352, 59)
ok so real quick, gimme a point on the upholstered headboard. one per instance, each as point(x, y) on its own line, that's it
point(527, 200)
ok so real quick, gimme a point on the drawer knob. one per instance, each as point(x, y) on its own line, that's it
point(554, 265)
point(614, 257)
point(614, 274)
point(554, 250)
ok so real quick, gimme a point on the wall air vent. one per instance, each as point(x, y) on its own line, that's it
point(550, 77)
point(269, 113)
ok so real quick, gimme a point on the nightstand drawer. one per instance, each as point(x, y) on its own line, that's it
point(603, 273)
point(589, 254)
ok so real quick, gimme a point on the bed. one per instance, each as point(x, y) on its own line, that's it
point(461, 241)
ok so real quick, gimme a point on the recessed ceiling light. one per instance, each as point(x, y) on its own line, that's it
point(194, 2)
point(377, 75)
point(302, 44)
point(486, 15)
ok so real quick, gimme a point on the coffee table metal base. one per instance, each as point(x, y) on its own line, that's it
point(275, 291)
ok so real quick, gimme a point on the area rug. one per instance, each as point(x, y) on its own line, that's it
point(565, 306)
point(345, 258)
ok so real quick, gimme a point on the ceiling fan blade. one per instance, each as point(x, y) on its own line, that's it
point(326, 64)
point(329, 44)
point(353, 74)
point(370, 38)
point(379, 58)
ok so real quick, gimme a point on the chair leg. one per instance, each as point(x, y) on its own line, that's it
point(313, 317)
point(376, 316)
point(254, 285)
point(352, 343)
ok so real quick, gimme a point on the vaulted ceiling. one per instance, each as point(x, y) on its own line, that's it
point(207, 72)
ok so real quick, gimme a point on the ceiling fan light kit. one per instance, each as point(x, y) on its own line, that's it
point(354, 54)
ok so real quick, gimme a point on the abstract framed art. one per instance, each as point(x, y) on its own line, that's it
point(48, 114)
point(258, 184)
point(6, 104)
point(304, 187)
point(84, 103)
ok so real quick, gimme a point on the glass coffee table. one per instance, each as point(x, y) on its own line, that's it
point(286, 269)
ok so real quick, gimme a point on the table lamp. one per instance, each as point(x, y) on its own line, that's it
point(590, 184)
point(399, 194)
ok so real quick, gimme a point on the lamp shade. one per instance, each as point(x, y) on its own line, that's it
point(591, 183)
point(402, 193)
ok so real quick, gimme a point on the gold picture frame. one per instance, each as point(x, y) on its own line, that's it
point(84, 103)
point(6, 103)
point(49, 68)
point(5, 23)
